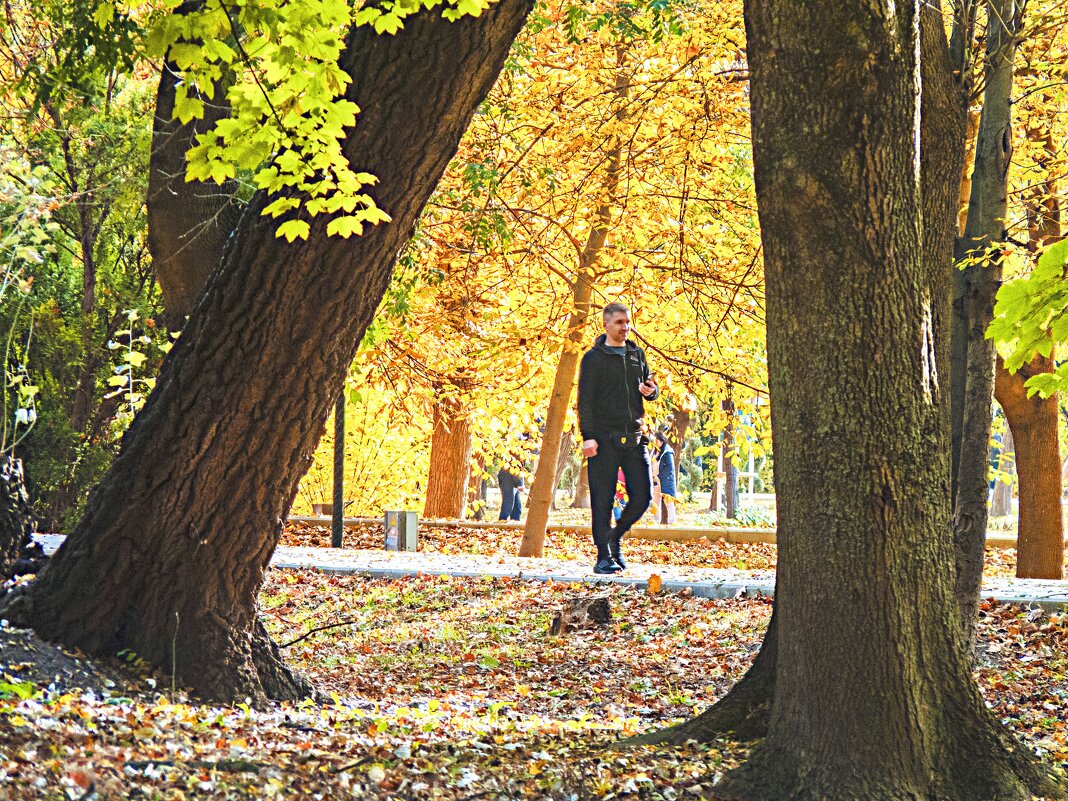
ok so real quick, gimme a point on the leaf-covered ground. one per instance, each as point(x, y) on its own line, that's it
point(702, 552)
point(453, 689)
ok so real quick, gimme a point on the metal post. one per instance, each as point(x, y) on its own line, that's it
point(338, 510)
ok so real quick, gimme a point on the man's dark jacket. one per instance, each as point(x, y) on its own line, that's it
point(609, 400)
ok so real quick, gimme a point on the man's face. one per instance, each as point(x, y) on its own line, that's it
point(617, 328)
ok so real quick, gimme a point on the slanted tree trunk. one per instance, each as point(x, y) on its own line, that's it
point(1033, 422)
point(885, 708)
point(450, 461)
point(542, 492)
point(975, 288)
point(170, 554)
point(188, 221)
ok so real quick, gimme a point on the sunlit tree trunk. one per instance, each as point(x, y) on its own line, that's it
point(450, 461)
point(542, 492)
point(1033, 421)
point(170, 554)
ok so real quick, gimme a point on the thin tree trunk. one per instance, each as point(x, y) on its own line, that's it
point(540, 497)
point(984, 228)
point(1001, 503)
point(680, 425)
point(170, 554)
point(567, 444)
point(582, 488)
point(1033, 422)
point(476, 489)
point(450, 462)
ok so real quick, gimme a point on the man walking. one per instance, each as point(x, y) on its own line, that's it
point(614, 383)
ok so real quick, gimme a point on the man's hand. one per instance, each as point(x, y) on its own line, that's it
point(589, 448)
point(647, 387)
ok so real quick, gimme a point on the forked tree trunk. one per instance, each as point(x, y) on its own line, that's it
point(170, 554)
point(450, 462)
point(1033, 421)
point(885, 708)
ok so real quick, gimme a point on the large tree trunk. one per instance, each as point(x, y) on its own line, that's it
point(450, 462)
point(975, 288)
point(885, 708)
point(188, 221)
point(170, 555)
point(744, 711)
point(1033, 422)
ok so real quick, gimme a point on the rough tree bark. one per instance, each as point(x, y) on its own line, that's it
point(744, 711)
point(885, 708)
point(189, 222)
point(171, 551)
point(975, 287)
point(1033, 422)
point(450, 461)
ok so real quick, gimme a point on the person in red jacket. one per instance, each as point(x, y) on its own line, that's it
point(614, 383)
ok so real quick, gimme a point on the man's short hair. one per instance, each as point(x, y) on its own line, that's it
point(612, 309)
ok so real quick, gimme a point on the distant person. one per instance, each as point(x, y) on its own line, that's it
point(510, 484)
point(664, 482)
point(614, 383)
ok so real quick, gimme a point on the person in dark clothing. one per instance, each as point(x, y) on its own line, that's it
point(614, 383)
point(510, 484)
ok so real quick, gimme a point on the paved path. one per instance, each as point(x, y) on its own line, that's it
point(704, 582)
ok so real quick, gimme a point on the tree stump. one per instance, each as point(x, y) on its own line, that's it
point(580, 614)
